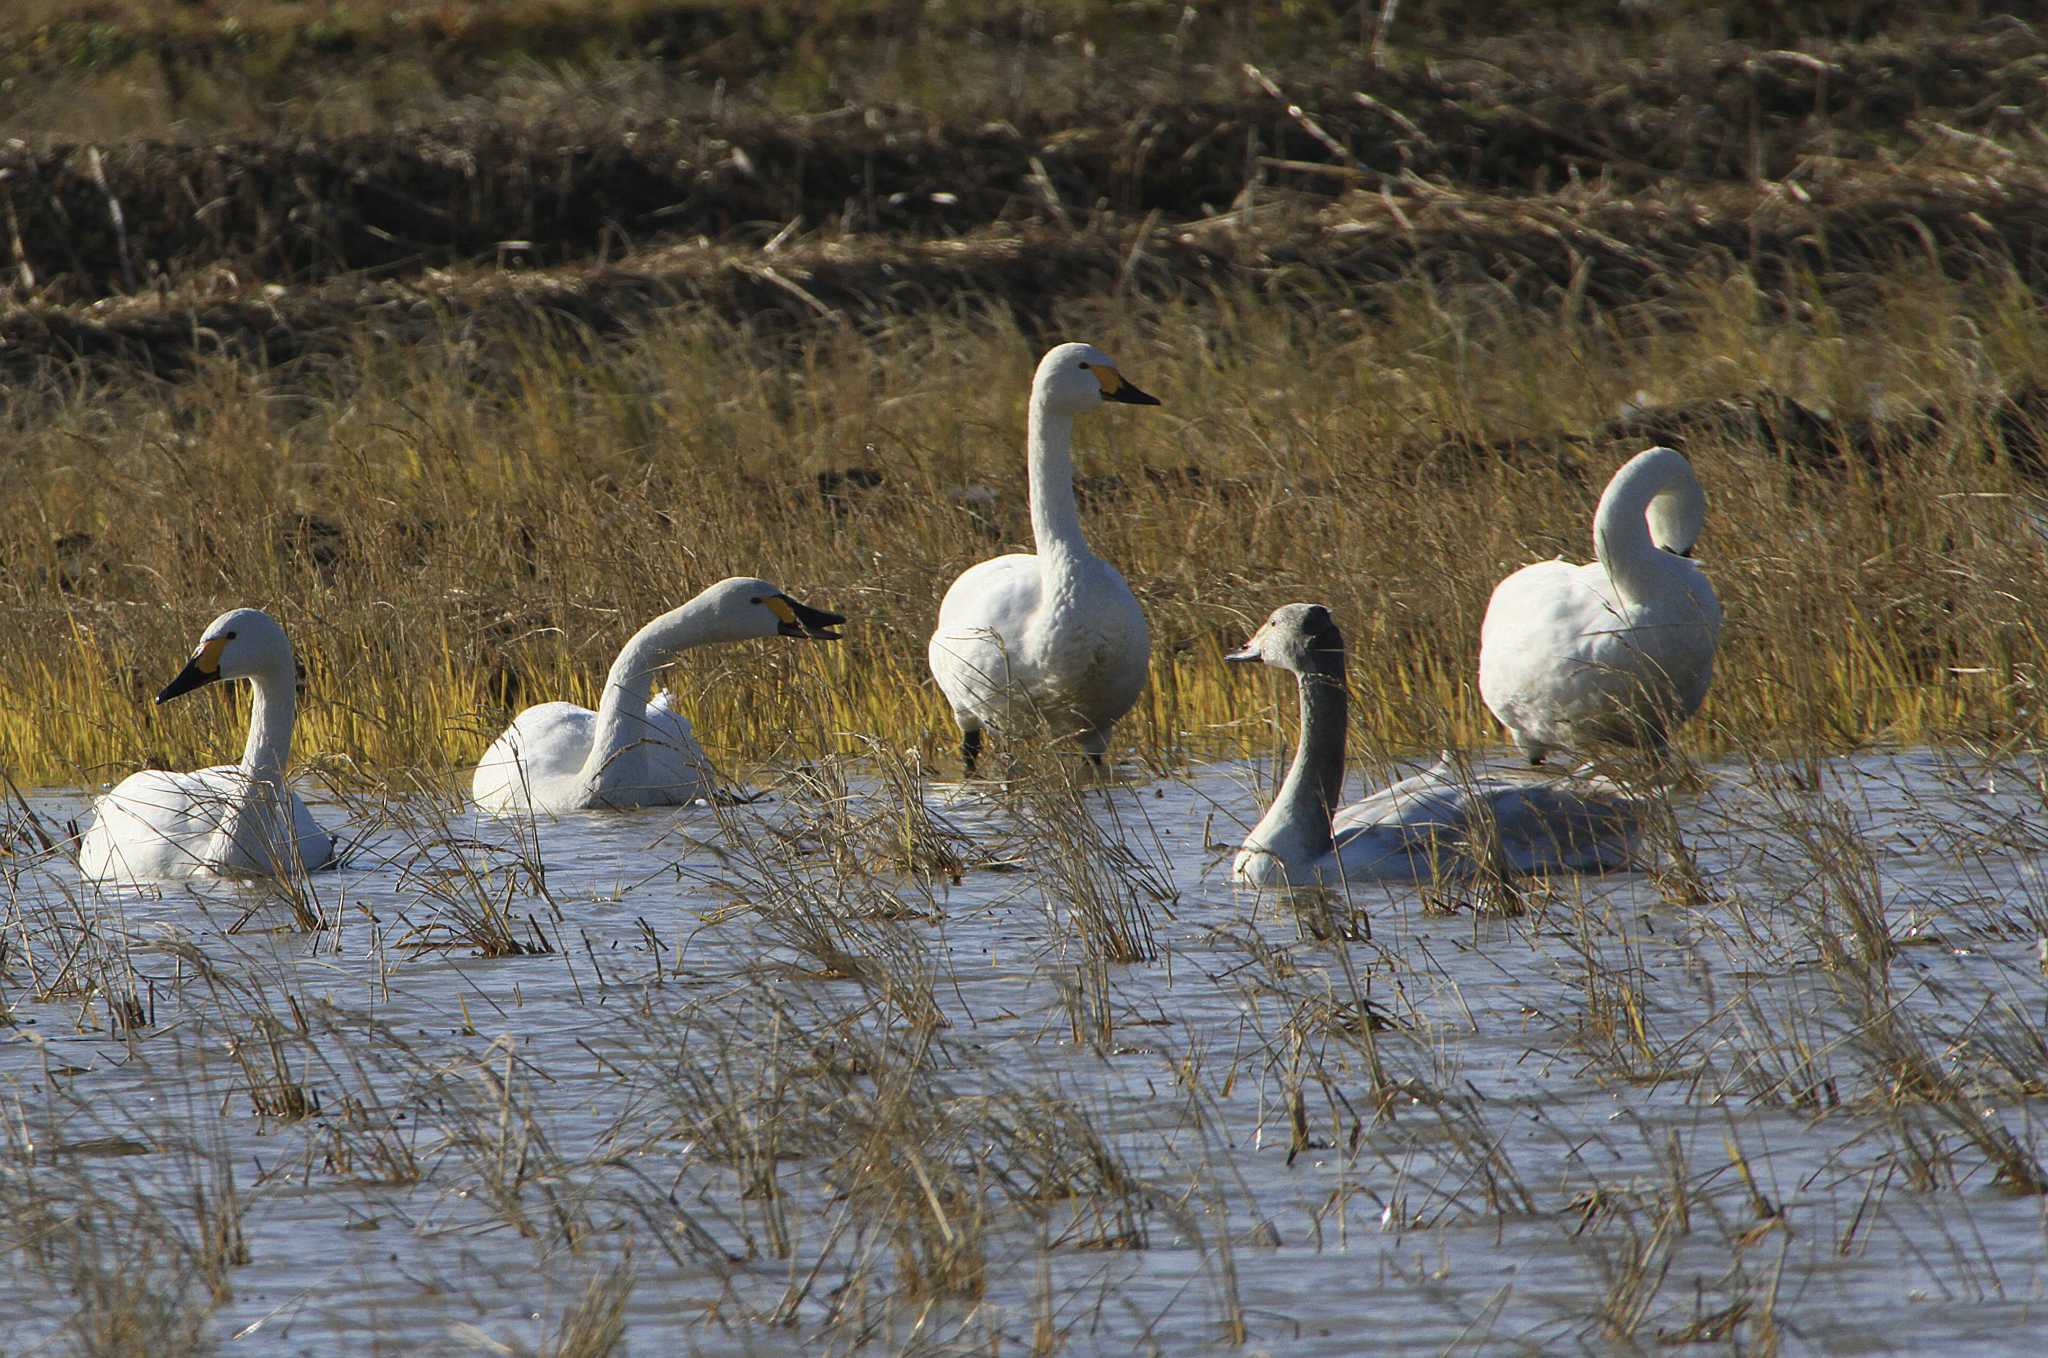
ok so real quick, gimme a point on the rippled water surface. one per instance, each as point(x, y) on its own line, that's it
point(778, 1082)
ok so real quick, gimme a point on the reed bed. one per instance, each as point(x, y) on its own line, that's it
point(448, 534)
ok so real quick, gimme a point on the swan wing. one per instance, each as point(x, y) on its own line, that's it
point(1433, 822)
point(1094, 646)
point(1558, 827)
point(159, 825)
point(1401, 832)
point(663, 766)
point(536, 759)
point(978, 651)
point(1563, 661)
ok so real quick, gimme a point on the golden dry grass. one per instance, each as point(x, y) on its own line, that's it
point(451, 528)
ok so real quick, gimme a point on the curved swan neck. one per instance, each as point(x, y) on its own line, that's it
point(1622, 539)
point(1308, 800)
point(622, 708)
point(271, 714)
point(1055, 521)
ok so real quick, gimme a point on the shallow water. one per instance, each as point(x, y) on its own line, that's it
point(1618, 1111)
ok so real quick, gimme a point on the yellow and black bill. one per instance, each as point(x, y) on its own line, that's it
point(1115, 388)
point(801, 620)
point(202, 669)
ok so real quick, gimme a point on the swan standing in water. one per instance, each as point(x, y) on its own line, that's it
point(1404, 833)
point(1620, 650)
point(558, 757)
point(233, 820)
point(1056, 637)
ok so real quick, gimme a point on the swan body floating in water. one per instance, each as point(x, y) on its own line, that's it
point(1620, 650)
point(558, 757)
point(1055, 637)
point(1423, 826)
point(234, 820)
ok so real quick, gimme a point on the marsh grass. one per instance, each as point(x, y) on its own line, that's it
point(449, 535)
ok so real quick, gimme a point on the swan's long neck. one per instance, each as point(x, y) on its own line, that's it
point(622, 709)
point(271, 714)
point(1308, 800)
point(1640, 569)
point(1055, 521)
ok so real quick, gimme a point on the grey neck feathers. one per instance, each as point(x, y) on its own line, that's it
point(1309, 798)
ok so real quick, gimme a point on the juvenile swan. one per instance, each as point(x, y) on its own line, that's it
point(1404, 833)
point(631, 752)
point(1620, 650)
point(1057, 637)
point(236, 819)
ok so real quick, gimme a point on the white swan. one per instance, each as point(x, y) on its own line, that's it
point(1419, 826)
point(237, 819)
point(1054, 638)
point(557, 757)
point(1620, 650)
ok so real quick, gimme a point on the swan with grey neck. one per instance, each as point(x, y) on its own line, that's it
point(1421, 826)
point(558, 757)
point(1055, 638)
point(1618, 651)
point(232, 820)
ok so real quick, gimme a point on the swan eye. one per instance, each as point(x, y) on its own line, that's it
point(227, 636)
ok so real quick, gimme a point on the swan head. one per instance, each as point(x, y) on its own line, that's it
point(1300, 638)
point(243, 643)
point(1076, 377)
point(744, 608)
point(1678, 511)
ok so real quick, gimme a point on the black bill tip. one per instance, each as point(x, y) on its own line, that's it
point(191, 677)
point(812, 624)
point(1129, 395)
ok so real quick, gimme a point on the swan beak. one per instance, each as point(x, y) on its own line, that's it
point(1248, 654)
point(202, 669)
point(1115, 388)
point(801, 620)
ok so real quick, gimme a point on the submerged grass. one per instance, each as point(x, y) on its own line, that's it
point(453, 530)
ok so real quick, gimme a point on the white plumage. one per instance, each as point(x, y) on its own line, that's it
point(233, 819)
point(1053, 639)
point(1618, 651)
point(631, 751)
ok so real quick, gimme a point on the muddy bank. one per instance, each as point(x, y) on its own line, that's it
point(84, 222)
point(1596, 250)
